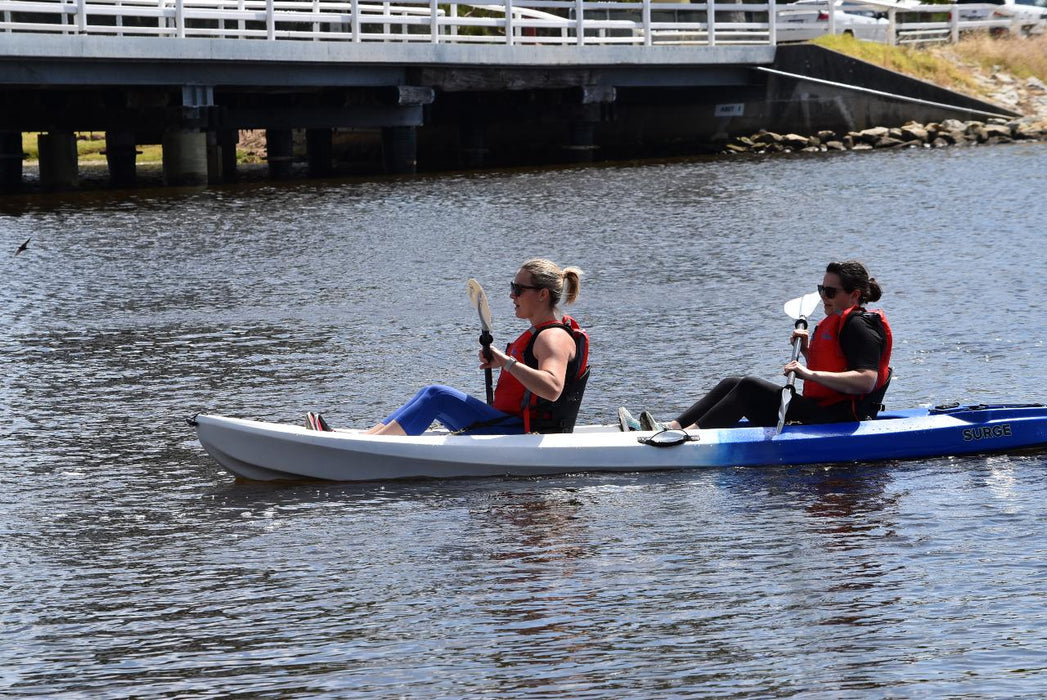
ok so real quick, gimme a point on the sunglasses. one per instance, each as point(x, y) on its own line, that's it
point(517, 289)
point(827, 292)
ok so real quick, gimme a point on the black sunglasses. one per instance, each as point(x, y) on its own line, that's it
point(827, 292)
point(517, 289)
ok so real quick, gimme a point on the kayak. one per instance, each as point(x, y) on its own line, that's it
point(265, 451)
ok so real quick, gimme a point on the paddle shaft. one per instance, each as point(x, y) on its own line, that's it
point(485, 340)
point(787, 391)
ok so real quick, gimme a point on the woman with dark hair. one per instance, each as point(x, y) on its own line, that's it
point(543, 372)
point(847, 363)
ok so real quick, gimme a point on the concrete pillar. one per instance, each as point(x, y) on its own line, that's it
point(214, 158)
point(10, 161)
point(185, 158)
point(319, 146)
point(120, 154)
point(279, 148)
point(471, 144)
point(399, 150)
point(59, 166)
point(227, 140)
point(581, 145)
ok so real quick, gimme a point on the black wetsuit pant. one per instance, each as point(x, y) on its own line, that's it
point(757, 400)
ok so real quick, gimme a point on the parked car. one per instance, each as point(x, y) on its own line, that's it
point(1030, 14)
point(809, 19)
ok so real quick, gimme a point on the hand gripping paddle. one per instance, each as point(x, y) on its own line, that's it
point(797, 309)
point(479, 301)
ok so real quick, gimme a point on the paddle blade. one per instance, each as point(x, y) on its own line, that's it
point(802, 307)
point(787, 396)
point(479, 301)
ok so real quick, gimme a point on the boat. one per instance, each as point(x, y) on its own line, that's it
point(265, 451)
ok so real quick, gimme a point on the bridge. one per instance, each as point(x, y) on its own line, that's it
point(461, 85)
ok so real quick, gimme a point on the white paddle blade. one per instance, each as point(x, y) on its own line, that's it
point(802, 307)
point(787, 396)
point(479, 301)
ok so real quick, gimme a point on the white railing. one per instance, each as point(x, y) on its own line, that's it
point(574, 22)
point(535, 22)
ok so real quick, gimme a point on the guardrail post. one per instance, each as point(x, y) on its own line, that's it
point(954, 24)
point(892, 28)
point(81, 16)
point(434, 21)
point(354, 8)
point(831, 9)
point(710, 21)
point(180, 19)
point(579, 22)
point(509, 22)
point(772, 23)
point(648, 40)
point(270, 20)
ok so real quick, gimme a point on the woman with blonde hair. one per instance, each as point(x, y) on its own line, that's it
point(543, 372)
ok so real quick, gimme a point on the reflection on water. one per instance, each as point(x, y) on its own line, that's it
point(132, 565)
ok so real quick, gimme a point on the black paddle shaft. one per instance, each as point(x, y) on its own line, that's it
point(485, 340)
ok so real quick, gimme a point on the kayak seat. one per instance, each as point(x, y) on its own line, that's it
point(568, 406)
point(872, 403)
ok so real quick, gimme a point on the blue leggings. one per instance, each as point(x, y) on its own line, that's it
point(454, 409)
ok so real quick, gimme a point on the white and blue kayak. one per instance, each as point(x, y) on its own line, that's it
point(274, 451)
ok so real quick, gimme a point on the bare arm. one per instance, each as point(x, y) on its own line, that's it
point(553, 349)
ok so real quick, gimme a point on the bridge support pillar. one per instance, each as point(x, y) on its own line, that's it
point(319, 144)
point(59, 166)
point(227, 140)
point(400, 150)
point(120, 154)
point(279, 147)
point(581, 144)
point(185, 158)
point(10, 161)
point(471, 150)
point(215, 164)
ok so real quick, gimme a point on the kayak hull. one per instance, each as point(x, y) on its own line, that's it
point(273, 451)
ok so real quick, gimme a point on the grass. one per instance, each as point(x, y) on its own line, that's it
point(90, 148)
point(948, 65)
point(1022, 58)
point(916, 62)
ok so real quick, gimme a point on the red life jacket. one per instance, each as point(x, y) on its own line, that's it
point(826, 354)
point(541, 415)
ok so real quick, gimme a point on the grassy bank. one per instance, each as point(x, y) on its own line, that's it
point(970, 67)
point(90, 148)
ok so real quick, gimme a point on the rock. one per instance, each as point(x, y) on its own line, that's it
point(913, 132)
point(940, 143)
point(795, 141)
point(862, 147)
point(767, 137)
point(826, 135)
point(889, 142)
point(953, 125)
point(1035, 84)
point(872, 135)
point(835, 146)
point(811, 149)
point(1002, 78)
point(736, 148)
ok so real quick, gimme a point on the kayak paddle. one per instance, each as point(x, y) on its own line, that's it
point(479, 302)
point(797, 309)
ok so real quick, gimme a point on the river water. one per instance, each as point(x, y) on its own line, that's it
point(132, 565)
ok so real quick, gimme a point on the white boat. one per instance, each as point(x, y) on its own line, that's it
point(274, 451)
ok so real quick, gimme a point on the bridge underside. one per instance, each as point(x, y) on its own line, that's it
point(410, 111)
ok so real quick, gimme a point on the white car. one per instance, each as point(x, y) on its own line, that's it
point(809, 19)
point(1028, 13)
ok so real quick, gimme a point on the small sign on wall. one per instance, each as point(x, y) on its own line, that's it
point(736, 109)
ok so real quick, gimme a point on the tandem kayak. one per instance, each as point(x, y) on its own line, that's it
point(275, 451)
